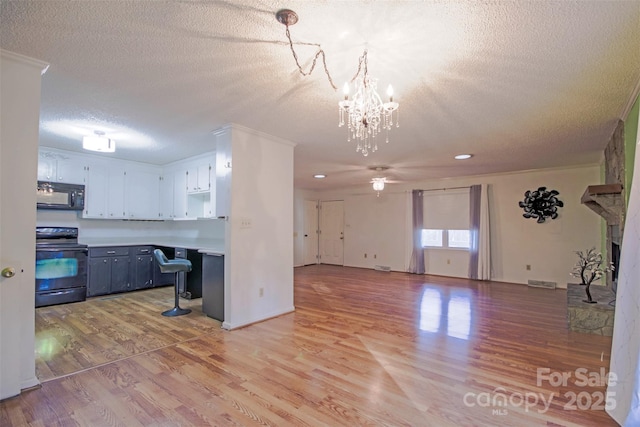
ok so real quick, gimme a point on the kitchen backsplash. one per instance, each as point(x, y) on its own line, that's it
point(207, 229)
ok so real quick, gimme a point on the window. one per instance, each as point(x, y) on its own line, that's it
point(432, 238)
point(458, 239)
point(446, 219)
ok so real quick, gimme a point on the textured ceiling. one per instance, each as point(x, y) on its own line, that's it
point(521, 85)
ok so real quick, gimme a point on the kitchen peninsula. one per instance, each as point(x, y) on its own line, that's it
point(212, 246)
point(206, 280)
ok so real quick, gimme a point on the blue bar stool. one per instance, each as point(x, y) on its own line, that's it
point(173, 266)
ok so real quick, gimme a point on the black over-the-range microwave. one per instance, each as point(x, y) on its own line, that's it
point(57, 195)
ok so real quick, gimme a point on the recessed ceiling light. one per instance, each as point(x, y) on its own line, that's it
point(463, 156)
point(319, 176)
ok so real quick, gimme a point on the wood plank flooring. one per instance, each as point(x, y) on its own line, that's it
point(363, 348)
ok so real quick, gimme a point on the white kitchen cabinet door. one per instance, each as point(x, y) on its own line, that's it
point(198, 178)
point(58, 167)
point(46, 168)
point(166, 196)
point(203, 177)
point(95, 192)
point(192, 180)
point(142, 190)
point(180, 194)
point(115, 193)
point(71, 171)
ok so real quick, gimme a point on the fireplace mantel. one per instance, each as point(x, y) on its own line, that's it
point(607, 201)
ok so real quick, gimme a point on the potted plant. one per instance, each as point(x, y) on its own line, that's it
point(589, 268)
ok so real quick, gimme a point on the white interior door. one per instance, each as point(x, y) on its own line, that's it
point(310, 242)
point(19, 115)
point(332, 232)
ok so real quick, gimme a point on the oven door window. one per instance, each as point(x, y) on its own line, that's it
point(60, 269)
point(56, 268)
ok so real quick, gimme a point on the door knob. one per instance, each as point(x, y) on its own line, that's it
point(8, 272)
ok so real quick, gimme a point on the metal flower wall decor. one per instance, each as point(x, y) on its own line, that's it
point(541, 204)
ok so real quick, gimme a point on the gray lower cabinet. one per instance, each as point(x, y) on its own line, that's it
point(213, 286)
point(120, 269)
point(142, 267)
point(109, 270)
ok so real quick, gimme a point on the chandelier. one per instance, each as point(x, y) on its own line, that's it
point(365, 115)
point(365, 112)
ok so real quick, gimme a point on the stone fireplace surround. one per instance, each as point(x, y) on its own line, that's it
point(608, 201)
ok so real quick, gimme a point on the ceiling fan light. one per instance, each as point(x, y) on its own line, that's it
point(378, 184)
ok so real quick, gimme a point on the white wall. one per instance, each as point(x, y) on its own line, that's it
point(377, 225)
point(258, 256)
point(20, 79)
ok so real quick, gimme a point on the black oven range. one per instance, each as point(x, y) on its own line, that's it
point(61, 266)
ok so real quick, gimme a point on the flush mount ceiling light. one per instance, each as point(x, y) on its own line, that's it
point(463, 156)
point(98, 142)
point(364, 114)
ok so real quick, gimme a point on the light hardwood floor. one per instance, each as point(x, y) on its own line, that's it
point(362, 348)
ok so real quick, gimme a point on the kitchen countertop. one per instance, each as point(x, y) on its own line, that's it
point(205, 246)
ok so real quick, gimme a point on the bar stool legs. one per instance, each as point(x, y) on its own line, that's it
point(176, 310)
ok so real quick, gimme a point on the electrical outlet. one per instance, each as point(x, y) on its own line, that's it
point(261, 292)
point(245, 222)
point(528, 267)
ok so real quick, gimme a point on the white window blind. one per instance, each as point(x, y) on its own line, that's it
point(446, 209)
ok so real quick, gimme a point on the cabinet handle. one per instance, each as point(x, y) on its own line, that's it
point(104, 260)
point(144, 251)
point(111, 252)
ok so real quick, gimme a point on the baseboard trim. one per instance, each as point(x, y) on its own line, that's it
point(232, 326)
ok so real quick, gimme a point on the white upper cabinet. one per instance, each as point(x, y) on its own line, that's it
point(180, 194)
point(198, 176)
point(95, 201)
point(143, 190)
point(55, 166)
point(120, 189)
point(116, 193)
point(166, 196)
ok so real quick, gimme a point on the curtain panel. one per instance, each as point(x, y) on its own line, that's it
point(416, 264)
point(479, 233)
